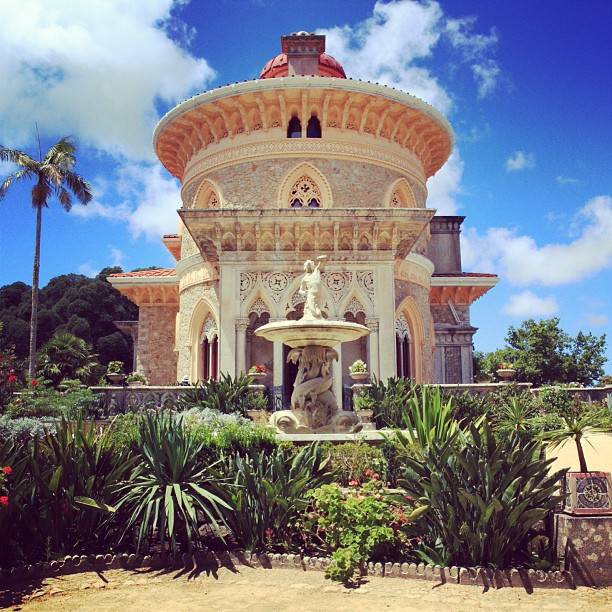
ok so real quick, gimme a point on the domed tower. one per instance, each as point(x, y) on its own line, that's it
point(300, 162)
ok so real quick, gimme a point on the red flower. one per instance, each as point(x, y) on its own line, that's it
point(12, 378)
point(375, 475)
point(368, 472)
point(33, 382)
point(353, 483)
point(7, 469)
point(4, 500)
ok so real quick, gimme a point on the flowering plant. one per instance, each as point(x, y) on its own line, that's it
point(506, 366)
point(358, 366)
point(258, 369)
point(6, 470)
point(136, 377)
point(114, 367)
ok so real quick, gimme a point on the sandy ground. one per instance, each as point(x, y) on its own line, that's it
point(270, 590)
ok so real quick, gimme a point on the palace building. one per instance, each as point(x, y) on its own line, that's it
point(301, 162)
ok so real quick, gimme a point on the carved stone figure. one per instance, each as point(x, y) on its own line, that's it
point(310, 286)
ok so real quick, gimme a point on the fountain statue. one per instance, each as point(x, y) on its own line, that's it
point(314, 408)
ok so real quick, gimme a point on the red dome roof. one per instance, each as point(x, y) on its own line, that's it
point(277, 67)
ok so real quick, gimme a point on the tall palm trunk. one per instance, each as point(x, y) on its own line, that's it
point(34, 314)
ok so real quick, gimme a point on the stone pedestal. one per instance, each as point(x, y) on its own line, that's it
point(586, 544)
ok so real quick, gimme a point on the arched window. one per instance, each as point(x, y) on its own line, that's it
point(403, 348)
point(305, 192)
point(294, 129)
point(210, 349)
point(313, 130)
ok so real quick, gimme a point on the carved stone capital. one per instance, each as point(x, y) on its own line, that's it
point(372, 323)
point(241, 325)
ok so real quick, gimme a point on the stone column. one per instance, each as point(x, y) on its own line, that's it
point(372, 325)
point(278, 364)
point(385, 292)
point(241, 327)
point(228, 301)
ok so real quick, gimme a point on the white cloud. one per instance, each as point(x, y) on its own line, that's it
point(519, 259)
point(520, 160)
point(117, 256)
point(88, 270)
point(565, 180)
point(144, 196)
point(597, 320)
point(92, 69)
point(444, 185)
point(527, 304)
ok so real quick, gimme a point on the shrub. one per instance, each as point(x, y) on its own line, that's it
point(390, 400)
point(20, 430)
point(357, 528)
point(351, 460)
point(270, 494)
point(169, 488)
point(224, 395)
point(484, 496)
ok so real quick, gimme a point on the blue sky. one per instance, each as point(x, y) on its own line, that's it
point(526, 86)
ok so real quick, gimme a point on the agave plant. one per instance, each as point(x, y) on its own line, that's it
point(271, 492)
point(483, 495)
point(168, 491)
point(390, 400)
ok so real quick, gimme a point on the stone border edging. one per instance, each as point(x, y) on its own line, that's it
point(525, 578)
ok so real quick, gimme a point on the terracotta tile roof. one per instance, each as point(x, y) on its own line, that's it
point(467, 274)
point(145, 273)
point(170, 236)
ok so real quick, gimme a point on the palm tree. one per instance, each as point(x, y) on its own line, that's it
point(52, 175)
point(67, 356)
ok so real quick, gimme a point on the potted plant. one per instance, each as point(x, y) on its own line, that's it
point(257, 372)
point(589, 492)
point(115, 373)
point(256, 406)
point(364, 405)
point(506, 371)
point(358, 370)
point(135, 378)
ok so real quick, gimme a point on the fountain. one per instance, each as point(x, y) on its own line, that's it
point(312, 339)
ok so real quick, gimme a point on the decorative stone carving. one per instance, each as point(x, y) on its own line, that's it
point(209, 329)
point(310, 287)
point(259, 307)
point(401, 327)
point(355, 306)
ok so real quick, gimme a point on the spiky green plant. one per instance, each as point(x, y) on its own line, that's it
point(483, 496)
point(270, 492)
point(169, 490)
point(225, 395)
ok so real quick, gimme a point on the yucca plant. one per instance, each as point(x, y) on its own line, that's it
point(391, 399)
point(271, 492)
point(428, 418)
point(483, 495)
point(225, 395)
point(169, 492)
point(64, 496)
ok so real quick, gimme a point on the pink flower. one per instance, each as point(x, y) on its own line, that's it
point(353, 483)
point(375, 475)
point(368, 472)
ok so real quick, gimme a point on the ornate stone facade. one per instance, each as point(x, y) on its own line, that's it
point(278, 170)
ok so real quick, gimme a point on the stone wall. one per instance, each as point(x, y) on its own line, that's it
point(156, 356)
point(255, 184)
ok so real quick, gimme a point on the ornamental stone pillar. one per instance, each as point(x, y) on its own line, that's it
point(277, 364)
point(372, 325)
point(241, 327)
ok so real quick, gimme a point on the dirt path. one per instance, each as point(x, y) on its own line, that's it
point(271, 590)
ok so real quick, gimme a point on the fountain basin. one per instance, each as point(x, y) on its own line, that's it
point(316, 332)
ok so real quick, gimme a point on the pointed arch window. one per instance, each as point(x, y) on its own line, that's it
point(294, 129)
point(209, 350)
point(313, 129)
point(305, 193)
point(403, 348)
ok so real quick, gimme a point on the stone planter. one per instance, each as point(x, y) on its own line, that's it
point(590, 493)
point(359, 376)
point(506, 374)
point(116, 379)
point(258, 377)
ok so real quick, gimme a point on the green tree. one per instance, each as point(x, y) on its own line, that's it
point(543, 353)
point(52, 174)
point(66, 356)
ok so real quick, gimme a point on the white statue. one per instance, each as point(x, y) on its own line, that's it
point(311, 288)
